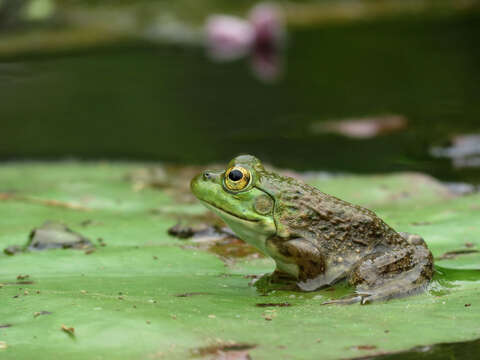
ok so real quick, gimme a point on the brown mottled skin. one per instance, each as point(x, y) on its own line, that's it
point(318, 239)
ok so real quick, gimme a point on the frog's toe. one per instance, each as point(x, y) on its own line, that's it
point(347, 300)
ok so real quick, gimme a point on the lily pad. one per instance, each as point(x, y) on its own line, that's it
point(147, 294)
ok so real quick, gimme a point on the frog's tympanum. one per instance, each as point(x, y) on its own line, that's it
point(315, 239)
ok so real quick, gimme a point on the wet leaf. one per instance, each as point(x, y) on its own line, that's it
point(147, 268)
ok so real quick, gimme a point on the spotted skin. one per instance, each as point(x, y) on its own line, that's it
point(317, 239)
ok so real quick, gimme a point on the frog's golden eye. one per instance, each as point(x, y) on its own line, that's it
point(237, 178)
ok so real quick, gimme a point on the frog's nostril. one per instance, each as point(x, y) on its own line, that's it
point(207, 175)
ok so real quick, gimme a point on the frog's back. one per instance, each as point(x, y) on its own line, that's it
point(333, 224)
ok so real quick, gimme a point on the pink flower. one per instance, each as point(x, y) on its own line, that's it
point(268, 25)
point(261, 37)
point(228, 37)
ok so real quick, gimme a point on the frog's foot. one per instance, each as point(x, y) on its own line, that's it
point(279, 276)
point(362, 297)
point(346, 300)
point(393, 274)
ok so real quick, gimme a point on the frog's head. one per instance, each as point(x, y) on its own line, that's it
point(236, 196)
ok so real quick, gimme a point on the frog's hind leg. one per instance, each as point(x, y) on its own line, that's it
point(391, 274)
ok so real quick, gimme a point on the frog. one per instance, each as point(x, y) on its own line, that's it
point(315, 239)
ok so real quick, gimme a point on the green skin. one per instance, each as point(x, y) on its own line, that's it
point(316, 239)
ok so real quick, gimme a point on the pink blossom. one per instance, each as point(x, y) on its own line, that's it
point(261, 37)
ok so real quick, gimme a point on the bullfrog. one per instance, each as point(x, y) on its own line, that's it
point(315, 239)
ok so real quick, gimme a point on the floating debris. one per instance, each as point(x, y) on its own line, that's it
point(215, 238)
point(152, 176)
point(225, 350)
point(365, 347)
point(285, 304)
point(461, 189)
point(90, 222)
point(22, 277)
point(39, 313)
point(69, 330)
point(362, 128)
point(12, 250)
point(54, 235)
point(188, 294)
point(464, 150)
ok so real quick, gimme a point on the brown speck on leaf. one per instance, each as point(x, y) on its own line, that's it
point(22, 277)
point(5, 325)
point(69, 330)
point(155, 258)
point(148, 322)
point(225, 350)
point(174, 317)
point(420, 223)
point(468, 305)
point(120, 298)
point(26, 292)
point(386, 331)
point(37, 292)
point(365, 347)
point(268, 317)
point(45, 202)
point(24, 282)
point(469, 244)
point(188, 294)
point(89, 251)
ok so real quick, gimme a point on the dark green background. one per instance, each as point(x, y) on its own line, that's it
point(139, 100)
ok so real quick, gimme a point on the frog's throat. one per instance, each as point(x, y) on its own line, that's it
point(246, 229)
point(226, 213)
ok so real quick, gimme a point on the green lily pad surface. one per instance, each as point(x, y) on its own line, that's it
point(143, 294)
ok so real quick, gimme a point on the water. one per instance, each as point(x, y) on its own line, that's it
point(139, 100)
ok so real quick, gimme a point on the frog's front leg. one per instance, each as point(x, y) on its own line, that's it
point(297, 258)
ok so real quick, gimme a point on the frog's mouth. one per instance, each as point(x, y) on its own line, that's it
point(226, 213)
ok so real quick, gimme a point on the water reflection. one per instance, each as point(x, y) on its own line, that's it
point(362, 128)
point(464, 151)
point(260, 36)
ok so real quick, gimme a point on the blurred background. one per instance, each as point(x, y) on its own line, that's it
point(360, 86)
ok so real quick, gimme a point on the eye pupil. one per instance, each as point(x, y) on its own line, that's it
point(235, 175)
